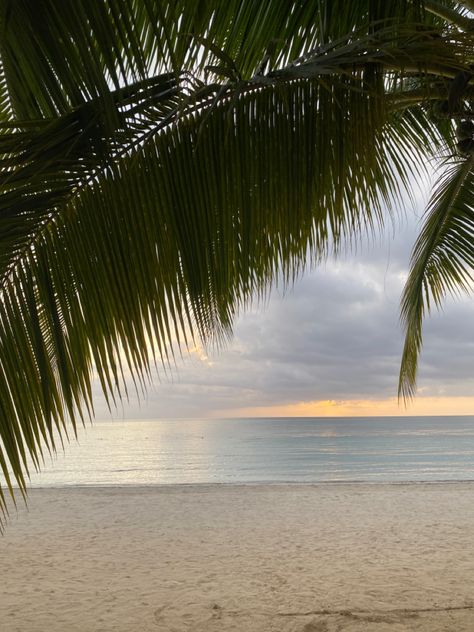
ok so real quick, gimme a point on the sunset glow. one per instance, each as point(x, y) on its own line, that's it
point(360, 408)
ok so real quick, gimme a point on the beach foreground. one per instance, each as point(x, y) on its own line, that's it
point(292, 558)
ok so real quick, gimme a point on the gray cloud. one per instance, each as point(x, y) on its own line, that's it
point(335, 335)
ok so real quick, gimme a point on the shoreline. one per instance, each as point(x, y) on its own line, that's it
point(228, 557)
point(331, 483)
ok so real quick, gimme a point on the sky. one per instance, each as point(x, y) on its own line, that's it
point(330, 346)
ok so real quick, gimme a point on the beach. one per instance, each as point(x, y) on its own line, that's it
point(292, 558)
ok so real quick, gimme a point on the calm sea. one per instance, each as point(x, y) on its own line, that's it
point(371, 449)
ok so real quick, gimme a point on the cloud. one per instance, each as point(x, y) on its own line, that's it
point(334, 336)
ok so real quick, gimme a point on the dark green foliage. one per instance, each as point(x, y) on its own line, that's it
point(465, 147)
point(465, 130)
point(163, 162)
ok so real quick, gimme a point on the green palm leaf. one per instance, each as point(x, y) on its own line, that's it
point(442, 260)
point(58, 54)
point(163, 162)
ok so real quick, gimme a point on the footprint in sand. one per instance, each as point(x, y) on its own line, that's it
point(158, 612)
point(216, 611)
point(315, 626)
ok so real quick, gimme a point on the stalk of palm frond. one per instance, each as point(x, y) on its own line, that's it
point(153, 180)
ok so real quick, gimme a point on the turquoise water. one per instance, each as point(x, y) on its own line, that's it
point(372, 449)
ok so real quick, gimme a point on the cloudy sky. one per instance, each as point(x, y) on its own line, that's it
point(330, 346)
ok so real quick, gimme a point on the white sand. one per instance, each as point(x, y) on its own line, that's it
point(299, 558)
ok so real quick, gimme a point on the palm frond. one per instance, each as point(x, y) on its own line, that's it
point(59, 54)
point(448, 13)
point(442, 260)
point(175, 235)
point(162, 162)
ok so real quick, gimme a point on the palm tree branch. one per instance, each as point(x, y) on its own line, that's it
point(62, 53)
point(452, 16)
point(325, 62)
point(441, 262)
point(86, 294)
point(135, 235)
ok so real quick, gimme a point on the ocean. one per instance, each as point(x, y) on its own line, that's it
point(277, 450)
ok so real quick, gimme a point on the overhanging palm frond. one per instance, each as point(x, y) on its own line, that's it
point(57, 54)
point(45, 163)
point(176, 234)
point(442, 261)
point(140, 203)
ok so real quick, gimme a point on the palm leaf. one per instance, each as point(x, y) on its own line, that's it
point(442, 260)
point(81, 291)
point(61, 53)
point(141, 206)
